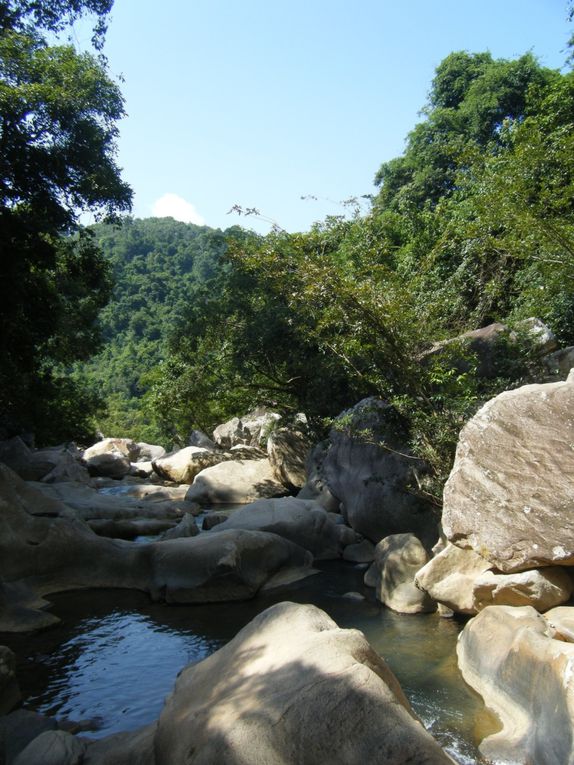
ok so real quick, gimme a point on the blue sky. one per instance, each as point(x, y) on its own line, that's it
point(260, 103)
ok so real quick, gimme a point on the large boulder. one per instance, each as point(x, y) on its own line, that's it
point(510, 495)
point(397, 559)
point(251, 429)
point(304, 522)
point(511, 657)
point(183, 465)
point(237, 481)
point(292, 687)
point(369, 468)
point(287, 450)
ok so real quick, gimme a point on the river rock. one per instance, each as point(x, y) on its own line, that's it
point(148, 452)
point(510, 494)
point(540, 588)
point(108, 465)
point(57, 463)
point(450, 576)
point(187, 527)
point(213, 519)
point(360, 552)
point(251, 429)
point(561, 620)
point(237, 481)
point(560, 362)
point(292, 687)
point(287, 451)
point(18, 729)
point(509, 656)
point(182, 466)
point(9, 690)
point(130, 528)
point(124, 447)
point(368, 467)
point(53, 748)
point(231, 565)
point(303, 522)
point(136, 503)
point(397, 559)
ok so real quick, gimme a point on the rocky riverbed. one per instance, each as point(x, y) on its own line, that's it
point(282, 681)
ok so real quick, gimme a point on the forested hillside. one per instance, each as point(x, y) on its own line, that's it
point(157, 267)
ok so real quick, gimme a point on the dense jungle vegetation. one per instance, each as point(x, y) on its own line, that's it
point(472, 224)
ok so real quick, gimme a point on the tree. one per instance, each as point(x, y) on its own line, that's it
point(58, 115)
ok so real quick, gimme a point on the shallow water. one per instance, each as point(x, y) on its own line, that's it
point(116, 655)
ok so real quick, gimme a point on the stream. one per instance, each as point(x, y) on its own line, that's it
point(109, 665)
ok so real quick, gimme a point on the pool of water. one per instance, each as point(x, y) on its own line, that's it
point(116, 655)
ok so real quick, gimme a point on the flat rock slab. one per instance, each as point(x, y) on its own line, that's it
point(510, 496)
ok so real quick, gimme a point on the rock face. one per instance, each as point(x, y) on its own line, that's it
point(303, 522)
point(368, 468)
point(510, 495)
point(292, 687)
point(182, 466)
point(397, 560)
point(510, 657)
point(237, 481)
point(287, 451)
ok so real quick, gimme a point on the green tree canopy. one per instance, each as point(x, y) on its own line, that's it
point(58, 127)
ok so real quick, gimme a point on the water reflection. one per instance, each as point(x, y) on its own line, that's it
point(116, 655)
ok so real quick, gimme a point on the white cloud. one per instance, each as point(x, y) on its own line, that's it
point(173, 206)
